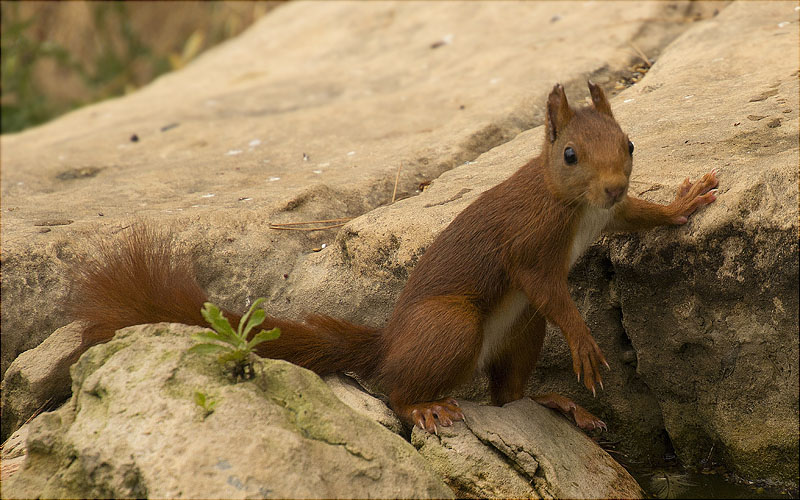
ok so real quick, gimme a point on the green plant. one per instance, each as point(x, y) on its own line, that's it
point(205, 402)
point(232, 345)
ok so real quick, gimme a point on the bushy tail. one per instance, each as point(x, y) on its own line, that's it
point(324, 345)
point(141, 277)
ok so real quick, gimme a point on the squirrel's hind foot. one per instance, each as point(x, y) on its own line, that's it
point(429, 415)
point(583, 418)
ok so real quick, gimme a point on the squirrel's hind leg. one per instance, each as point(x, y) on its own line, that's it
point(510, 369)
point(429, 349)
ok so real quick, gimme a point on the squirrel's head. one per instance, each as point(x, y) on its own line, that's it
point(588, 156)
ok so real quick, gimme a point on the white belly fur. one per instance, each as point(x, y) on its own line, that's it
point(589, 228)
point(513, 303)
point(499, 322)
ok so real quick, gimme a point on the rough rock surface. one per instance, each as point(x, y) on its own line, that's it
point(658, 302)
point(522, 450)
point(133, 429)
point(298, 119)
point(355, 396)
point(698, 322)
point(706, 316)
point(39, 378)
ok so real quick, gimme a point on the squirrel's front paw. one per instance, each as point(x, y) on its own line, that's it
point(586, 361)
point(692, 196)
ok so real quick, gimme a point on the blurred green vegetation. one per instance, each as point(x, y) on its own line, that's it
point(116, 48)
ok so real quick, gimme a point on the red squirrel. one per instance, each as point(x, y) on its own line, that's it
point(478, 299)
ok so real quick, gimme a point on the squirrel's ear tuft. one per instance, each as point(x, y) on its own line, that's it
point(558, 112)
point(599, 99)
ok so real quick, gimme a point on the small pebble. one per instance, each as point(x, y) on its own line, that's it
point(134, 138)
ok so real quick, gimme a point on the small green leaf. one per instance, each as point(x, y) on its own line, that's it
point(218, 322)
point(244, 320)
point(256, 319)
point(200, 399)
point(208, 336)
point(208, 348)
point(263, 336)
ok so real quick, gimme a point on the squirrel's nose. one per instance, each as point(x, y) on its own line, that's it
point(615, 194)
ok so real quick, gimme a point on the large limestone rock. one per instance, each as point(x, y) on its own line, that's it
point(698, 322)
point(706, 316)
point(522, 450)
point(133, 429)
point(308, 115)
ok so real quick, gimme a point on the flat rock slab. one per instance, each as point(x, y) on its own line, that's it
point(522, 450)
point(133, 428)
point(298, 119)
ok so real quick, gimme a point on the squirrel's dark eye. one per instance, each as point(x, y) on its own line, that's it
point(630, 147)
point(570, 157)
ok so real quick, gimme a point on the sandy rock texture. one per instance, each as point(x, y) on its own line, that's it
point(705, 316)
point(39, 378)
point(699, 323)
point(298, 119)
point(548, 456)
point(133, 429)
point(674, 308)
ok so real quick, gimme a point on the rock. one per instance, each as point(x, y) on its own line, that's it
point(354, 395)
point(133, 429)
point(14, 452)
point(713, 310)
point(709, 309)
point(281, 126)
point(522, 450)
point(39, 378)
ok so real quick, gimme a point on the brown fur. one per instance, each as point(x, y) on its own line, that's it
point(517, 236)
